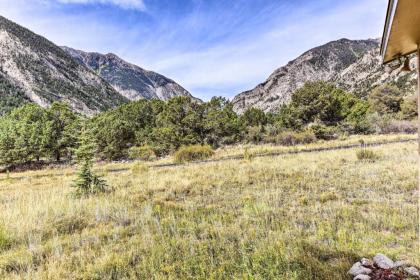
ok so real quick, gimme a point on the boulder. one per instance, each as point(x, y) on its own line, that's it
point(362, 277)
point(383, 261)
point(412, 271)
point(358, 269)
point(366, 262)
point(400, 264)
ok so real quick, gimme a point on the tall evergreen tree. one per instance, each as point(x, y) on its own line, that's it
point(62, 127)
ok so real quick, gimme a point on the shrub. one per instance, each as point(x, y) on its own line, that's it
point(395, 126)
point(356, 120)
point(378, 123)
point(254, 134)
point(17, 261)
point(143, 153)
point(272, 130)
point(253, 117)
point(409, 108)
point(294, 138)
point(328, 196)
point(316, 101)
point(366, 155)
point(192, 153)
point(68, 223)
point(229, 140)
point(161, 149)
point(323, 132)
point(386, 100)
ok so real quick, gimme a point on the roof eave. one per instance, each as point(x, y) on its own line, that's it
point(392, 6)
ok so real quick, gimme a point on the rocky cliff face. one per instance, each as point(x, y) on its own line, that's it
point(354, 65)
point(45, 73)
point(128, 79)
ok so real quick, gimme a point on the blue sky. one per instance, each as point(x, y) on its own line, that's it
point(211, 47)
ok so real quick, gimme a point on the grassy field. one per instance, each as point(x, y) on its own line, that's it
point(301, 216)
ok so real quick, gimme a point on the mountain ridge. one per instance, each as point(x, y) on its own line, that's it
point(354, 65)
point(34, 69)
point(45, 73)
point(128, 79)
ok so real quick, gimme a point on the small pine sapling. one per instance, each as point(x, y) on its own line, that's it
point(87, 182)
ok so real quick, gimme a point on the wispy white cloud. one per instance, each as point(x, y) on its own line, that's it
point(126, 4)
point(242, 61)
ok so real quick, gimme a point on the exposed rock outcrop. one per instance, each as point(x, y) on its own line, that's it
point(354, 65)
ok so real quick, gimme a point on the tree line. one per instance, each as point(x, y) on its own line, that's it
point(318, 110)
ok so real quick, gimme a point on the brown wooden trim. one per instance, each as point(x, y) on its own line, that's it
point(418, 131)
point(386, 27)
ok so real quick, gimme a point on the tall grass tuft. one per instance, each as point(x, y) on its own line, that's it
point(248, 155)
point(142, 153)
point(366, 155)
point(139, 168)
point(4, 239)
point(192, 153)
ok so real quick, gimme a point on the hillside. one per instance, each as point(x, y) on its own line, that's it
point(45, 73)
point(128, 79)
point(10, 96)
point(354, 65)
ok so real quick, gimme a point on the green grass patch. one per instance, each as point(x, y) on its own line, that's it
point(367, 155)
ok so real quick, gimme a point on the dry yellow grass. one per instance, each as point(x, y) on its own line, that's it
point(303, 216)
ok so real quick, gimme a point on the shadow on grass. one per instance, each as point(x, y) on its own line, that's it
point(322, 262)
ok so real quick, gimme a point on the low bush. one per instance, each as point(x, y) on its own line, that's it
point(68, 223)
point(324, 132)
point(192, 153)
point(18, 261)
point(366, 155)
point(294, 138)
point(4, 238)
point(254, 134)
point(409, 108)
point(396, 126)
point(142, 153)
point(328, 196)
point(378, 123)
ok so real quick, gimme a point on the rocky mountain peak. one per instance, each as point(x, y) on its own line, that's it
point(354, 65)
point(128, 79)
point(45, 73)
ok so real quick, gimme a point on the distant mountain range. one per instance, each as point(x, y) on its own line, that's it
point(128, 79)
point(33, 69)
point(354, 65)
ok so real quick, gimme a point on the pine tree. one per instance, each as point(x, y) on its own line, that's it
point(87, 182)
